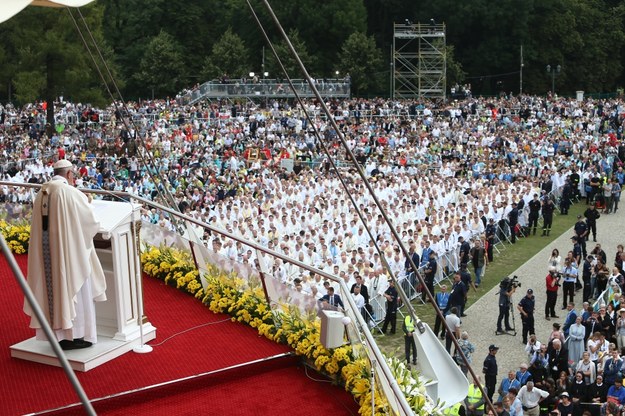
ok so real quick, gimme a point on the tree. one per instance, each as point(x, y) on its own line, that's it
point(162, 68)
point(454, 73)
point(229, 56)
point(129, 25)
point(361, 58)
point(290, 64)
point(47, 59)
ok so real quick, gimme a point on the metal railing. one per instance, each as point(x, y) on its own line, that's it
point(359, 322)
point(265, 88)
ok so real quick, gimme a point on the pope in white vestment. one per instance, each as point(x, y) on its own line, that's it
point(75, 276)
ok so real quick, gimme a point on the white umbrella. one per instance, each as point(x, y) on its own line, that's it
point(12, 7)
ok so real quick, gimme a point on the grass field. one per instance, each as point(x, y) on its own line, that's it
point(504, 264)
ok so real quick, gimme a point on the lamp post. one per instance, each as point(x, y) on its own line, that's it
point(265, 86)
point(391, 92)
point(553, 70)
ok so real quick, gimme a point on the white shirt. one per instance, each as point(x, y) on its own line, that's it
point(359, 299)
point(530, 399)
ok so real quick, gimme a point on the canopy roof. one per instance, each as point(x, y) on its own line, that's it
point(12, 7)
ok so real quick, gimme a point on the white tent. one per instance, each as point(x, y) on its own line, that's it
point(10, 8)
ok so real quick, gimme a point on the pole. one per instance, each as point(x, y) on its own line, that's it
point(521, 74)
point(136, 229)
point(373, 388)
point(392, 79)
point(391, 82)
point(553, 81)
point(45, 326)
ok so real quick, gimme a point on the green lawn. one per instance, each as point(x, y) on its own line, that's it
point(504, 264)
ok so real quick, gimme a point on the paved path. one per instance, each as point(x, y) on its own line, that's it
point(481, 321)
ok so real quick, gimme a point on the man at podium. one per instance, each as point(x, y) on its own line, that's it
point(64, 272)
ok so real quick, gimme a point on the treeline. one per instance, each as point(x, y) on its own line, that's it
point(158, 47)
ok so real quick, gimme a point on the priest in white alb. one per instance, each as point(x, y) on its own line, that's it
point(64, 271)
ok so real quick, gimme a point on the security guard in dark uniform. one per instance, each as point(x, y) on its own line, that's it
point(526, 307)
point(490, 371)
point(490, 232)
point(430, 272)
point(592, 215)
point(581, 232)
point(534, 214)
point(391, 307)
point(548, 209)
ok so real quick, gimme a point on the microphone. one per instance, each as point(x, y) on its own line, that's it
point(109, 193)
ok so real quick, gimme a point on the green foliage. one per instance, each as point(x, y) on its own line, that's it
point(44, 57)
point(229, 56)
point(455, 73)
point(483, 43)
point(360, 58)
point(322, 25)
point(29, 85)
point(162, 67)
point(290, 64)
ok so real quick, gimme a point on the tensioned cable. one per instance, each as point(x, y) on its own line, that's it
point(319, 140)
point(394, 386)
point(396, 235)
point(150, 164)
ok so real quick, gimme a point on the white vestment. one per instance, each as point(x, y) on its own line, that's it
point(77, 276)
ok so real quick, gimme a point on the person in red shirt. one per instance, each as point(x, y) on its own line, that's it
point(552, 293)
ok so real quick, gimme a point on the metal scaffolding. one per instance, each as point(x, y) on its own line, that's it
point(419, 61)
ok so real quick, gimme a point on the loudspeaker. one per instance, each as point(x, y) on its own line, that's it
point(332, 329)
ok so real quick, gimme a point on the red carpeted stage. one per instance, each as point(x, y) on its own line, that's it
point(191, 340)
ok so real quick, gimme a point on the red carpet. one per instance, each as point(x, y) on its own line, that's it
point(276, 386)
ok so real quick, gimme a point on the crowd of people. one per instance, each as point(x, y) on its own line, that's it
point(455, 179)
point(578, 368)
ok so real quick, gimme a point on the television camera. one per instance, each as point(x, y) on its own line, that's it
point(510, 283)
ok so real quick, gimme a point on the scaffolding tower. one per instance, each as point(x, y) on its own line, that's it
point(419, 61)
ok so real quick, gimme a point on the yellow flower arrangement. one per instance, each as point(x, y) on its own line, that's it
point(245, 302)
point(175, 267)
point(16, 235)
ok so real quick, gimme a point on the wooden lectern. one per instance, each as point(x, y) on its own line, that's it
point(117, 317)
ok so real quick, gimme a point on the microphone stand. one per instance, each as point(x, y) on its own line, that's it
point(136, 228)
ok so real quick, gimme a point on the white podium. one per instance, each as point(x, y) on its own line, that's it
point(118, 316)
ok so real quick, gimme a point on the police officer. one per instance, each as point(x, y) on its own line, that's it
point(430, 272)
point(490, 232)
point(490, 371)
point(565, 198)
point(581, 232)
point(409, 341)
point(526, 308)
point(534, 214)
point(592, 215)
point(391, 307)
point(548, 209)
point(513, 219)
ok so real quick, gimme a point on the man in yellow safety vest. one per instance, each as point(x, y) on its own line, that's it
point(474, 401)
point(454, 410)
point(408, 328)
